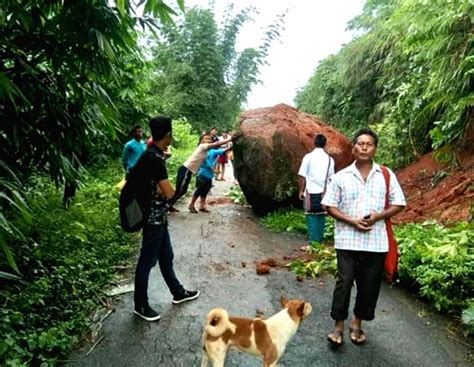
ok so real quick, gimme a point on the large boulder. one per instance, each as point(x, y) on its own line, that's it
point(270, 150)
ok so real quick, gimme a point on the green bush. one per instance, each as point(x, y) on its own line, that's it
point(237, 195)
point(184, 142)
point(66, 259)
point(440, 260)
point(294, 220)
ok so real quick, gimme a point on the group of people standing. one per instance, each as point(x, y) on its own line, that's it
point(148, 162)
point(361, 198)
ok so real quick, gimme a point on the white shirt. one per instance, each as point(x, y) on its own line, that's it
point(355, 197)
point(314, 168)
point(196, 158)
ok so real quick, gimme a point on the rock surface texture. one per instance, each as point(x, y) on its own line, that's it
point(271, 148)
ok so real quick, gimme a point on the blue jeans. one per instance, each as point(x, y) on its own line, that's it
point(156, 247)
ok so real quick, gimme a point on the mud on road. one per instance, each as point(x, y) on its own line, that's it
point(217, 254)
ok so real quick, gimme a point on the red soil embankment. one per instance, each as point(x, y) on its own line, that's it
point(435, 191)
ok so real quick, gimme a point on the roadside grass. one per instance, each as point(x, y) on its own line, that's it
point(66, 258)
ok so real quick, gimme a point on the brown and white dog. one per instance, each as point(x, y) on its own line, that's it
point(266, 338)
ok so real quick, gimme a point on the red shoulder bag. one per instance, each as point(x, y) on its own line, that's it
point(391, 261)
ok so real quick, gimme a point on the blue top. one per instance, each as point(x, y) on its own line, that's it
point(132, 151)
point(207, 168)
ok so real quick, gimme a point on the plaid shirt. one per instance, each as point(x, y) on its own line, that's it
point(355, 197)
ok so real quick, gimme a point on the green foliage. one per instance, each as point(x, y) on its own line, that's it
point(66, 258)
point(441, 262)
point(286, 220)
point(184, 143)
point(237, 195)
point(409, 75)
point(293, 220)
point(324, 262)
point(198, 71)
point(66, 85)
point(468, 318)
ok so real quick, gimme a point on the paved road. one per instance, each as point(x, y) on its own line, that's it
point(209, 251)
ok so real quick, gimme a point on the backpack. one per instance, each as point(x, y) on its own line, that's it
point(131, 213)
point(135, 196)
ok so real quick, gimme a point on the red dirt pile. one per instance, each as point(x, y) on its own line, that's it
point(434, 191)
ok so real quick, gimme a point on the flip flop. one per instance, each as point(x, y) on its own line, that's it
point(336, 333)
point(192, 210)
point(355, 336)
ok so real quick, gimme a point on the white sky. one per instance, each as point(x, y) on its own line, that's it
point(314, 29)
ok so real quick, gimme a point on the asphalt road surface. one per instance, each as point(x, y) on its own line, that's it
point(216, 253)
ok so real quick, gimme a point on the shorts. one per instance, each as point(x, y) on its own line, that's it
point(222, 158)
point(203, 186)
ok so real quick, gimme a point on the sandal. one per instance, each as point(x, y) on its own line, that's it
point(356, 335)
point(204, 210)
point(192, 209)
point(336, 334)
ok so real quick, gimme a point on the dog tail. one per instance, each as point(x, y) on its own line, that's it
point(218, 323)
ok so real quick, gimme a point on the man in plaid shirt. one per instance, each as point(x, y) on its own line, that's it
point(356, 199)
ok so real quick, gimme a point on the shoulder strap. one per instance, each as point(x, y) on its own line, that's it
point(327, 172)
point(386, 176)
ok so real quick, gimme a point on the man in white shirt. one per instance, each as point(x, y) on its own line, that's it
point(316, 170)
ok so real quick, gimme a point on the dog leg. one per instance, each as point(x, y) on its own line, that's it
point(205, 359)
point(218, 361)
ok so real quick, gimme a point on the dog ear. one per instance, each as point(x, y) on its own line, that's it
point(283, 301)
point(300, 310)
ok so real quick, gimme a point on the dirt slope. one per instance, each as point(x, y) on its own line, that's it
point(435, 191)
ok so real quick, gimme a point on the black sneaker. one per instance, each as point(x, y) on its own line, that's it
point(147, 313)
point(186, 296)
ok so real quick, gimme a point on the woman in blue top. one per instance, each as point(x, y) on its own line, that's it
point(204, 180)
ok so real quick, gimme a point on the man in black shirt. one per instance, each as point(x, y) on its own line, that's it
point(156, 244)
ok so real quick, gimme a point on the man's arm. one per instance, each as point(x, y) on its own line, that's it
point(302, 186)
point(125, 156)
point(166, 189)
point(219, 143)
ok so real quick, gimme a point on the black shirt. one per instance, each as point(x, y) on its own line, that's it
point(149, 170)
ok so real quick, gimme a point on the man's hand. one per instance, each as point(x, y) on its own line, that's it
point(301, 195)
point(371, 218)
point(362, 225)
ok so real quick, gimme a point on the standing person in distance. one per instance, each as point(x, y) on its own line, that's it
point(192, 165)
point(315, 171)
point(133, 149)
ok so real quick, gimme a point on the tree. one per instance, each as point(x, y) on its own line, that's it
point(57, 60)
point(200, 75)
point(410, 75)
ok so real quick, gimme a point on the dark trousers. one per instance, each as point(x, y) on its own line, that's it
point(203, 186)
point(367, 270)
point(182, 183)
point(156, 246)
